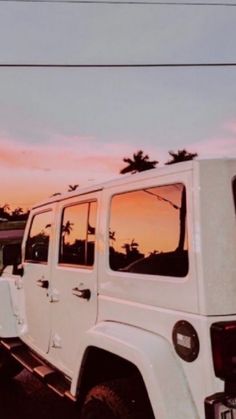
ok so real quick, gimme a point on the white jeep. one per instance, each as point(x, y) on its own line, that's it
point(125, 300)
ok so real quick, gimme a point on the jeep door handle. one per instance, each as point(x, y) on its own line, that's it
point(43, 283)
point(84, 293)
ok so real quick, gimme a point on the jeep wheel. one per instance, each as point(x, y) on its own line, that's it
point(8, 366)
point(118, 399)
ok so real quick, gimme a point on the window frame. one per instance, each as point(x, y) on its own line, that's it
point(34, 215)
point(62, 212)
point(155, 276)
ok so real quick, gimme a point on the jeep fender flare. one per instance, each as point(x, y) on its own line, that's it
point(156, 361)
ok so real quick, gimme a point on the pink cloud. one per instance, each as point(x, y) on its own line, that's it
point(214, 147)
point(230, 126)
point(32, 173)
point(68, 154)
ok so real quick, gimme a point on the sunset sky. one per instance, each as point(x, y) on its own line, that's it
point(61, 126)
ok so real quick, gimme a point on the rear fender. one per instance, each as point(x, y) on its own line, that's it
point(156, 361)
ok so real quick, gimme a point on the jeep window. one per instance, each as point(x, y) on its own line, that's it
point(147, 232)
point(37, 243)
point(77, 239)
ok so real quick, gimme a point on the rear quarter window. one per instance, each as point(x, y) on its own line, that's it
point(148, 233)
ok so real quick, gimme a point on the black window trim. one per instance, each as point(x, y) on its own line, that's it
point(137, 274)
point(34, 214)
point(62, 211)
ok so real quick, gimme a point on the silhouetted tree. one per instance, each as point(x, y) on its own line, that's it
point(4, 211)
point(181, 155)
point(131, 250)
point(17, 211)
point(112, 235)
point(67, 228)
point(18, 214)
point(182, 222)
point(56, 194)
point(130, 247)
point(139, 163)
point(134, 245)
point(72, 188)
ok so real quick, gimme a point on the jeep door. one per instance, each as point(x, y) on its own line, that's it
point(74, 276)
point(37, 255)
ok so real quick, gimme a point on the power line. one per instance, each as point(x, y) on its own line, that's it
point(127, 65)
point(148, 2)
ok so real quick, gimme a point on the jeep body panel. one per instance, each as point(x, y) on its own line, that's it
point(71, 314)
point(154, 290)
point(199, 374)
point(151, 354)
point(37, 304)
point(215, 236)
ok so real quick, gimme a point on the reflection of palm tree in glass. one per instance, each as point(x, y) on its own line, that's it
point(132, 252)
point(182, 222)
point(112, 236)
point(139, 163)
point(66, 230)
point(181, 155)
point(133, 245)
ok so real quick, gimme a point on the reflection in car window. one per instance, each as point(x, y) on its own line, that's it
point(77, 240)
point(148, 231)
point(37, 243)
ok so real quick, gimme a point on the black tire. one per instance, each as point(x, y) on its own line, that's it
point(118, 399)
point(9, 367)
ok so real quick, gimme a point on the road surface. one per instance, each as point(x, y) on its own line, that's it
point(25, 397)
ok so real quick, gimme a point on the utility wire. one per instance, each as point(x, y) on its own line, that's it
point(148, 2)
point(138, 65)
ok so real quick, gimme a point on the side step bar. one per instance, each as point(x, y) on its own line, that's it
point(50, 376)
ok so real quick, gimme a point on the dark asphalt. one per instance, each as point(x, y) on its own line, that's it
point(25, 397)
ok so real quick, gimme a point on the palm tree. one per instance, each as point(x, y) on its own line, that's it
point(139, 163)
point(18, 214)
point(181, 155)
point(72, 188)
point(17, 211)
point(67, 228)
point(112, 236)
point(4, 211)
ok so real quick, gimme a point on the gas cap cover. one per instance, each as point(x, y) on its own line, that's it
point(185, 340)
